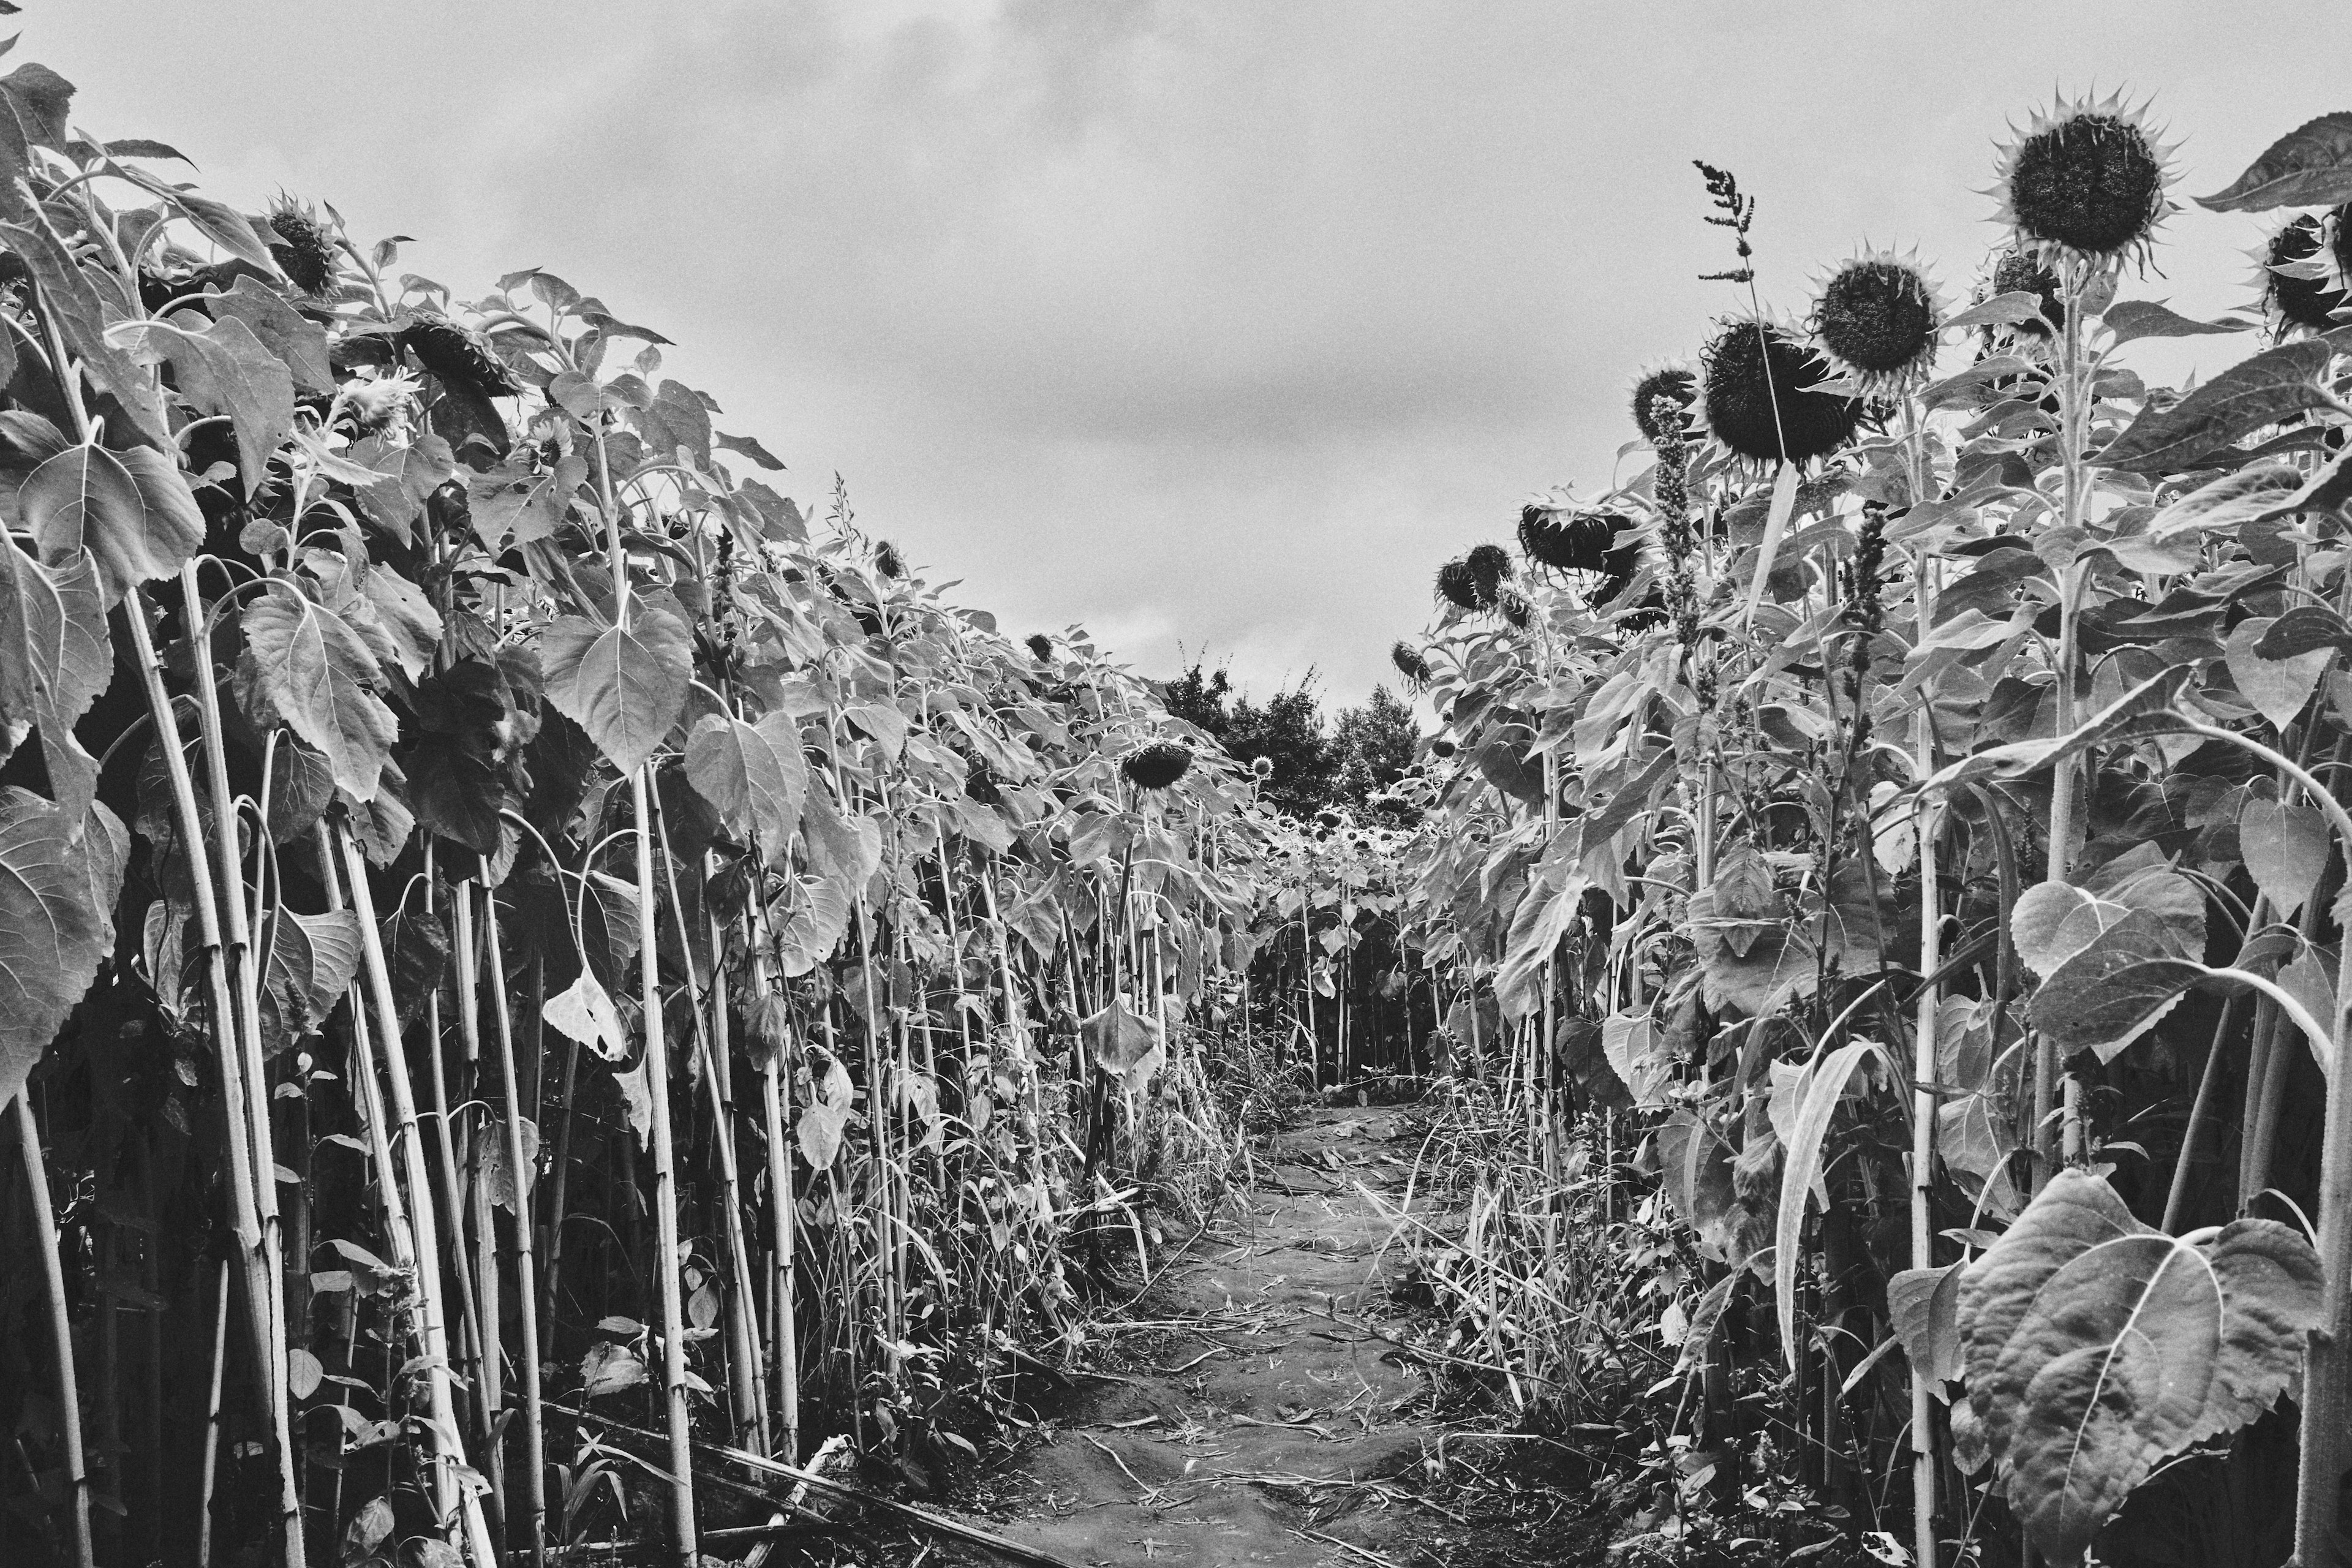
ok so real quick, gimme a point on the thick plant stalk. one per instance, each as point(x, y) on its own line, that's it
point(2066, 1140)
point(465, 1353)
point(53, 1275)
point(213, 1423)
point(774, 1104)
point(245, 990)
point(534, 1435)
point(745, 1373)
point(420, 1234)
point(664, 1157)
point(1926, 1028)
point(245, 1222)
point(2200, 1113)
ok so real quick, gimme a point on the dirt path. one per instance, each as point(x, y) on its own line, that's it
point(1258, 1423)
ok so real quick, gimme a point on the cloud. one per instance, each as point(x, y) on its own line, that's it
point(1211, 323)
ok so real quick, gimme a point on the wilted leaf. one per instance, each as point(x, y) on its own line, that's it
point(583, 1011)
point(2096, 1346)
point(59, 875)
point(610, 1368)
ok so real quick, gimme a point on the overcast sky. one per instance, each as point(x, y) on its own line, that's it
point(1210, 324)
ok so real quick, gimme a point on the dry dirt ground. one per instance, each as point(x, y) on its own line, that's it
point(1256, 1414)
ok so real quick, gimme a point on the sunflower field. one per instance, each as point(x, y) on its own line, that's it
point(1889, 857)
point(530, 964)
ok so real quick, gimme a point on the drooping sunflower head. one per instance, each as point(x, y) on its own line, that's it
point(1568, 537)
point(1490, 568)
point(1674, 383)
point(1877, 318)
point(1411, 663)
point(2018, 272)
point(1515, 608)
point(1442, 747)
point(305, 248)
point(2085, 182)
point(1156, 764)
point(1758, 397)
point(887, 560)
point(2303, 273)
point(1457, 585)
point(1041, 646)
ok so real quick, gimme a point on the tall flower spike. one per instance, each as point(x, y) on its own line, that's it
point(2086, 180)
point(1878, 318)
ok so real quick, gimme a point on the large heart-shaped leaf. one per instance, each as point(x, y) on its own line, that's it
point(2278, 688)
point(222, 369)
point(624, 686)
point(60, 875)
point(131, 510)
point(319, 673)
point(753, 776)
point(2096, 1346)
point(312, 959)
point(2286, 847)
point(55, 660)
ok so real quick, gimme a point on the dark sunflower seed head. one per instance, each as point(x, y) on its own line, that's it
point(2092, 183)
point(2302, 301)
point(1677, 385)
point(1041, 646)
point(1759, 396)
point(1875, 315)
point(304, 249)
point(1457, 585)
point(1156, 764)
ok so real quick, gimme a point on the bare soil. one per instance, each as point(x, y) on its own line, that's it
point(1261, 1410)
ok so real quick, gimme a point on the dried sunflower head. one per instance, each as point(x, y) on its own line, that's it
point(1758, 397)
point(1877, 318)
point(1490, 568)
point(886, 561)
point(458, 355)
point(1409, 663)
point(1156, 764)
point(1041, 646)
point(2303, 273)
point(1515, 608)
point(1457, 585)
point(305, 248)
point(2086, 183)
point(1570, 538)
point(1674, 383)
